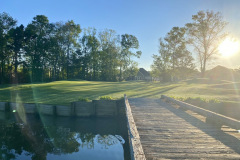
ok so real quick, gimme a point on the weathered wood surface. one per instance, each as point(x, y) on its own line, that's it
point(65, 110)
point(98, 108)
point(2, 106)
point(167, 132)
point(83, 109)
point(136, 150)
point(47, 109)
point(105, 108)
point(218, 119)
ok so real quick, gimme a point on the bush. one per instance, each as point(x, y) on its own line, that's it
point(84, 99)
point(214, 101)
point(106, 98)
point(198, 101)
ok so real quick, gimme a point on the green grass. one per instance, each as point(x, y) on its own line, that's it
point(64, 92)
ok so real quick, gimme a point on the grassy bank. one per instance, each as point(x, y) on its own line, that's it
point(64, 92)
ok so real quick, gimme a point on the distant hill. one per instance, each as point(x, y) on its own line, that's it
point(223, 73)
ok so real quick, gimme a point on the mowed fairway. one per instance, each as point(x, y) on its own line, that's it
point(64, 92)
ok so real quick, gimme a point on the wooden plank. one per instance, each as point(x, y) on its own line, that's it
point(83, 109)
point(30, 107)
point(105, 108)
point(136, 150)
point(216, 118)
point(64, 110)
point(2, 106)
point(167, 132)
point(46, 109)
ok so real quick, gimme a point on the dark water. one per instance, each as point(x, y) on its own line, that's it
point(62, 138)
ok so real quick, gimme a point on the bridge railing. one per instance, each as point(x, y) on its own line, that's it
point(136, 149)
point(212, 117)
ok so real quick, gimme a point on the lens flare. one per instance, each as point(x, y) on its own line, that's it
point(229, 47)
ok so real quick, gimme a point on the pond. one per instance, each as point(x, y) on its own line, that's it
point(62, 138)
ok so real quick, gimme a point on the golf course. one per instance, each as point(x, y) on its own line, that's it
point(64, 92)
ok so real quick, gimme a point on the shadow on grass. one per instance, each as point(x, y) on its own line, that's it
point(156, 92)
point(204, 81)
point(63, 93)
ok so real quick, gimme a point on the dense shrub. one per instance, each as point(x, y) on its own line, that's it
point(106, 98)
point(84, 99)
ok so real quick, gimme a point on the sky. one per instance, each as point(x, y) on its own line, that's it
point(148, 20)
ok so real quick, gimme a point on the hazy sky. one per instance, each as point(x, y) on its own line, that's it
point(148, 20)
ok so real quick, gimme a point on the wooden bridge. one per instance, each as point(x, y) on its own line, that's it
point(165, 131)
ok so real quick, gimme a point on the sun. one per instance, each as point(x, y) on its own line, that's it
point(229, 47)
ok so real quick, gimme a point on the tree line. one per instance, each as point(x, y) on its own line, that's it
point(44, 51)
point(201, 36)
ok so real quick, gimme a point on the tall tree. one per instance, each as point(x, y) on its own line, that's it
point(161, 66)
point(180, 58)
point(6, 23)
point(92, 45)
point(16, 44)
point(109, 54)
point(131, 71)
point(54, 52)
point(128, 44)
point(205, 33)
point(70, 34)
point(37, 35)
point(174, 57)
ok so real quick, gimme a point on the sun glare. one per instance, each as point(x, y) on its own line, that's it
point(229, 47)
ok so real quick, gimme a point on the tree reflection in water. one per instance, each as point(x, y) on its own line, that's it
point(45, 135)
